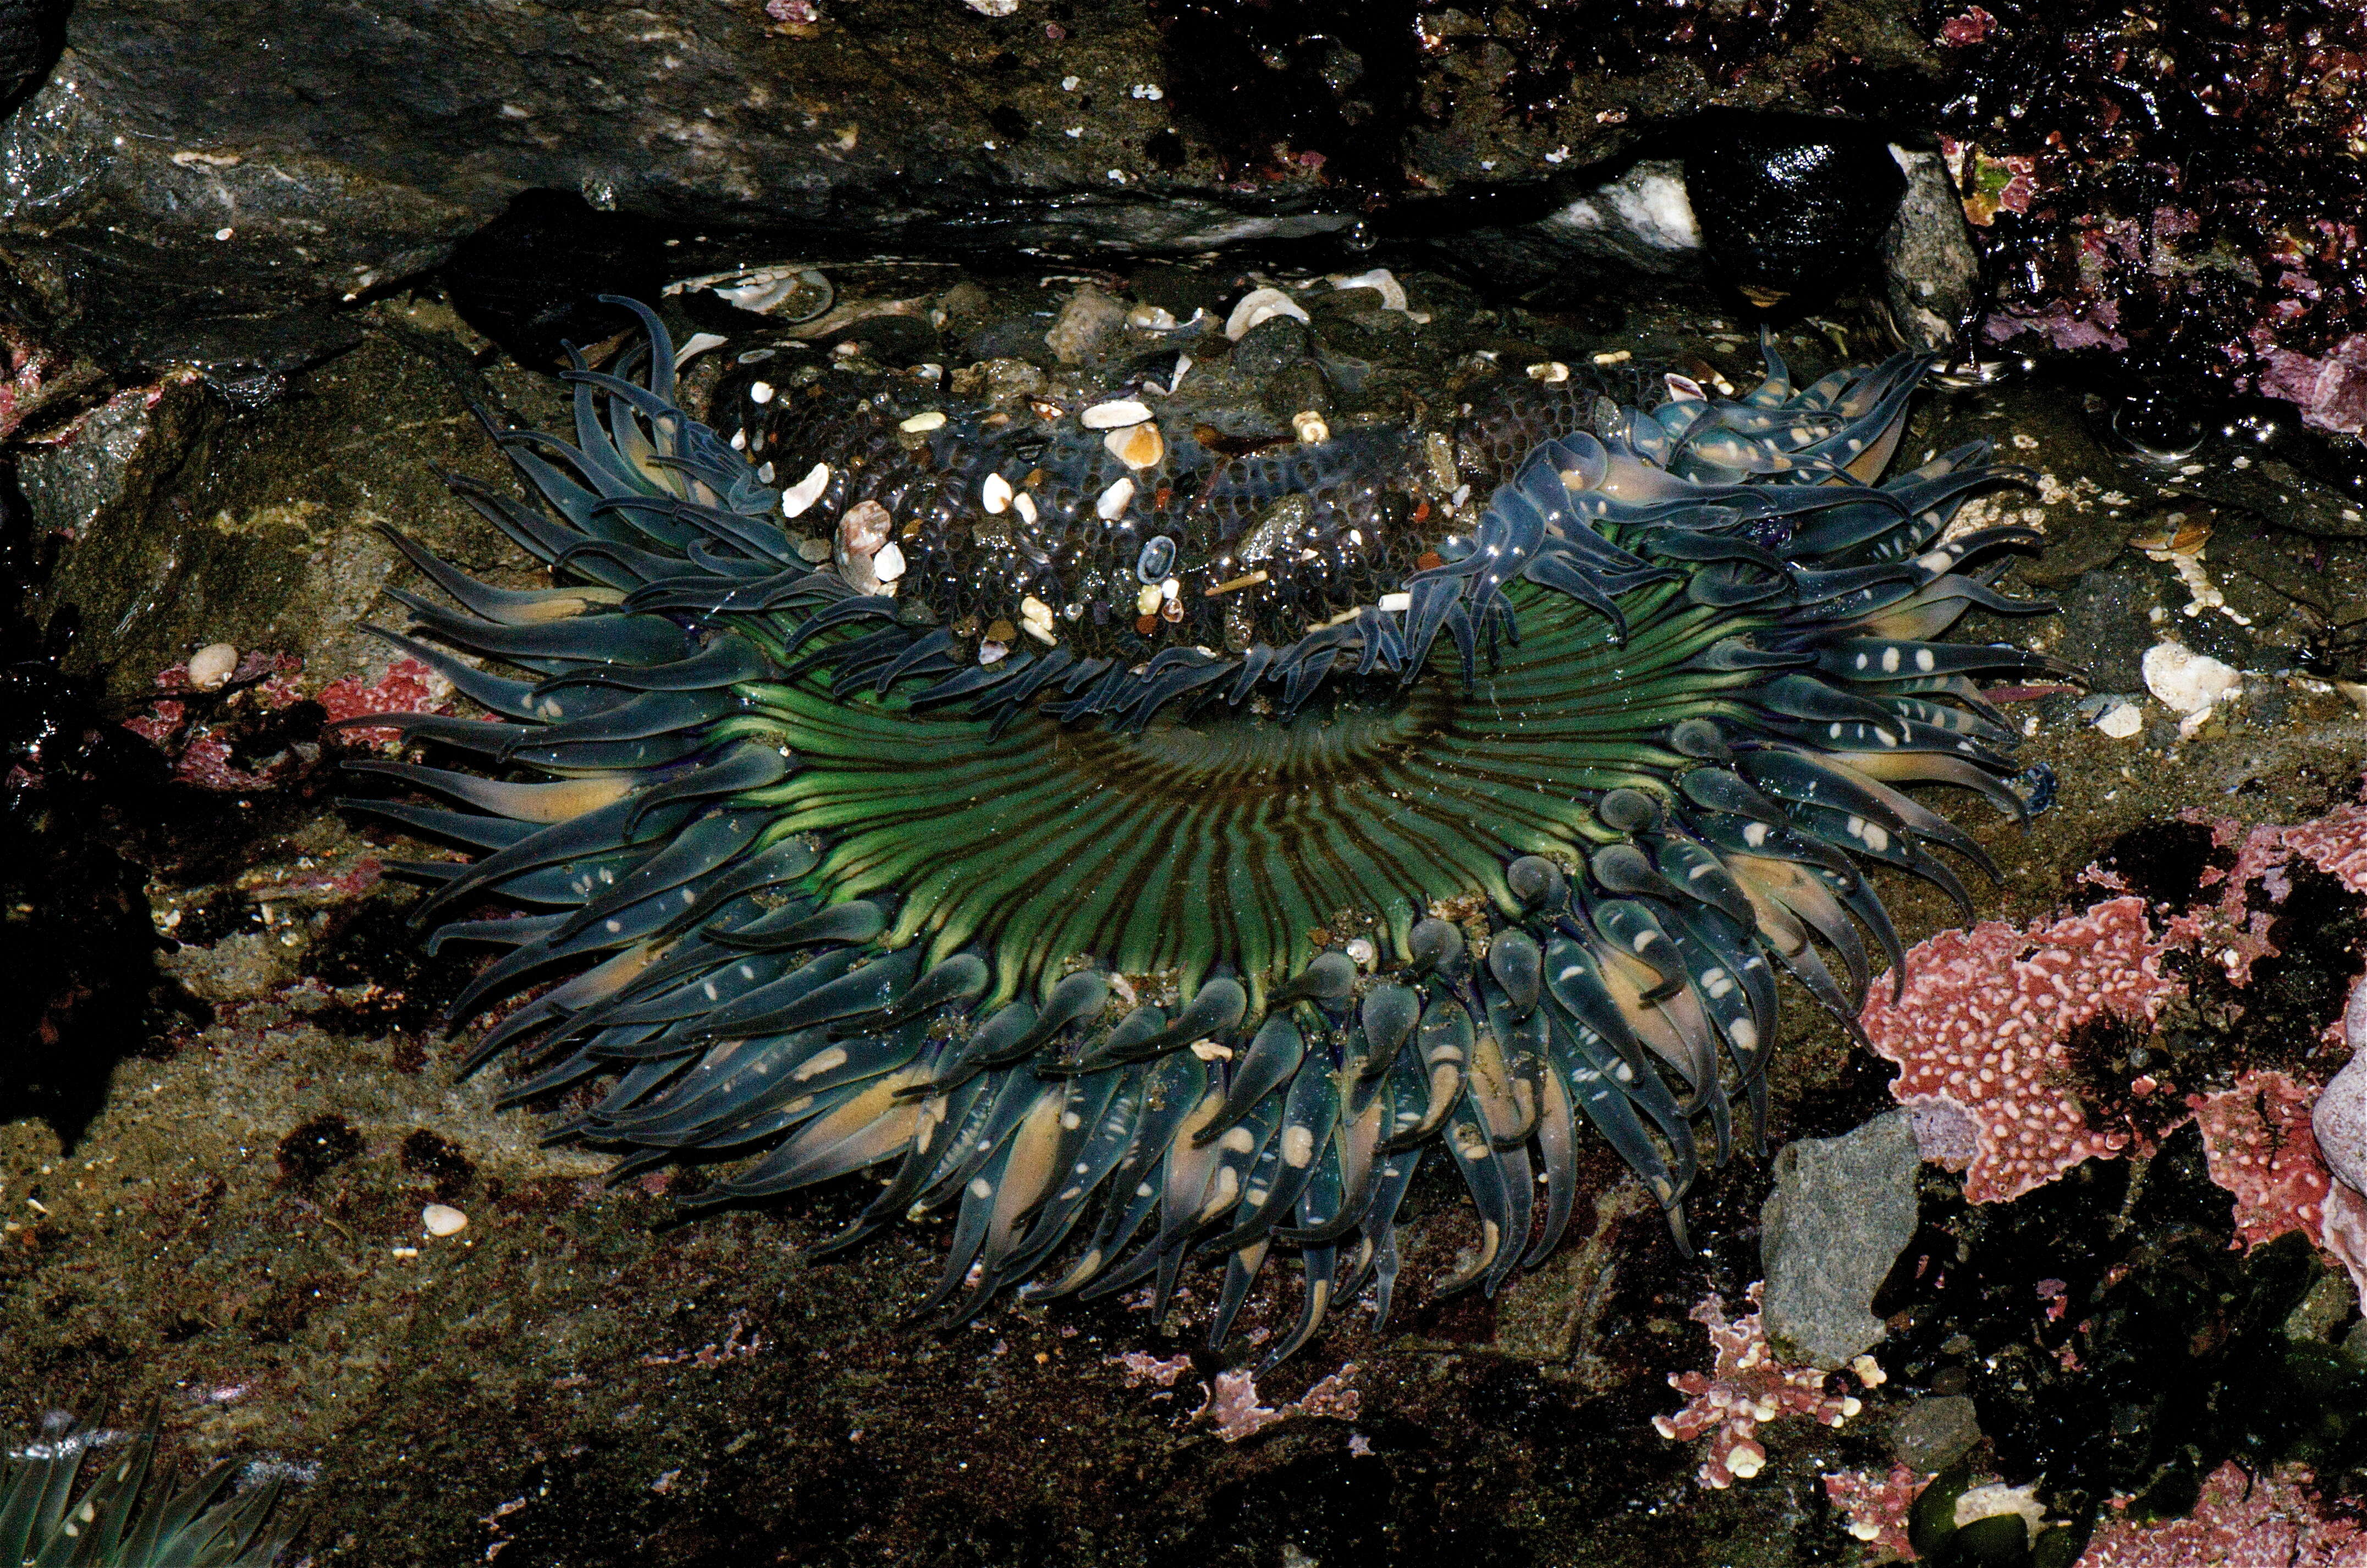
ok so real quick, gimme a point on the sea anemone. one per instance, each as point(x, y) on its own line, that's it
point(131, 1515)
point(1307, 818)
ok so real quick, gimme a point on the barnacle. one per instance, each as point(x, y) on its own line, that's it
point(1129, 949)
point(131, 1515)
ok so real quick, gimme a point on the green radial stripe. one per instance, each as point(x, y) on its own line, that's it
point(1227, 839)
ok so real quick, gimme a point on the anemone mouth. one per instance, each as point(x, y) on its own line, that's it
point(1211, 945)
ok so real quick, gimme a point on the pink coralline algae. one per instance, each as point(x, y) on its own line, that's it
point(1876, 1506)
point(2258, 1140)
point(2330, 389)
point(1748, 1388)
point(2240, 1520)
point(1233, 1409)
point(1980, 1030)
point(195, 729)
point(1232, 1405)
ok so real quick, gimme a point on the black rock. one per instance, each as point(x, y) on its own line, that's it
point(531, 279)
point(1791, 204)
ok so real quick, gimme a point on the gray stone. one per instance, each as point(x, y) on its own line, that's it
point(1272, 343)
point(1932, 272)
point(1935, 1432)
point(1841, 1211)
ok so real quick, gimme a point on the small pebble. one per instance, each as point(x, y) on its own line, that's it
point(211, 667)
point(442, 1219)
point(1137, 447)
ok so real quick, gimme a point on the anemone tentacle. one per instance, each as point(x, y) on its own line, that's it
point(1130, 952)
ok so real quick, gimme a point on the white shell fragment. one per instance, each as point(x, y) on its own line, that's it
point(1552, 372)
point(211, 666)
point(995, 494)
point(806, 491)
point(2120, 720)
point(889, 564)
point(1311, 427)
point(1115, 414)
point(1392, 292)
point(1397, 604)
point(1036, 619)
point(1148, 599)
point(2187, 683)
point(696, 345)
point(442, 1219)
point(1024, 504)
point(1114, 500)
point(921, 423)
point(760, 391)
point(1260, 305)
point(1151, 318)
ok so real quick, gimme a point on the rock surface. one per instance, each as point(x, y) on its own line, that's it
point(185, 173)
point(1841, 1211)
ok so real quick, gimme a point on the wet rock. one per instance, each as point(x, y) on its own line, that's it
point(30, 33)
point(1295, 389)
point(175, 172)
point(240, 968)
point(1842, 1210)
point(2101, 243)
point(1790, 205)
point(1935, 1432)
point(182, 524)
point(1272, 343)
point(1931, 273)
point(1087, 324)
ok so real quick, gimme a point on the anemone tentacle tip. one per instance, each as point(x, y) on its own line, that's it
point(1316, 823)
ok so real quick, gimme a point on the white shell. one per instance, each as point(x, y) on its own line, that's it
point(1397, 603)
point(1260, 305)
point(760, 391)
point(2120, 720)
point(1115, 414)
point(995, 494)
point(1114, 500)
point(1552, 372)
point(1151, 318)
point(865, 527)
point(1148, 600)
point(1392, 292)
point(1036, 619)
point(889, 564)
point(1311, 427)
point(211, 667)
point(921, 423)
point(806, 491)
point(442, 1219)
point(1024, 505)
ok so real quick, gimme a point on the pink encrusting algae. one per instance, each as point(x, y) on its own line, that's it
point(1981, 1029)
point(1748, 1387)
